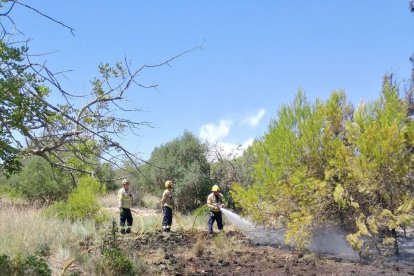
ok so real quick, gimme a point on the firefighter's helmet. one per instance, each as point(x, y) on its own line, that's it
point(168, 184)
point(215, 188)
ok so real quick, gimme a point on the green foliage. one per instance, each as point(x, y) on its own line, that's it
point(6, 265)
point(114, 261)
point(32, 265)
point(380, 174)
point(38, 182)
point(290, 182)
point(106, 174)
point(184, 161)
point(82, 203)
point(20, 109)
point(323, 163)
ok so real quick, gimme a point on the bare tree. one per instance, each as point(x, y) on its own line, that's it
point(68, 135)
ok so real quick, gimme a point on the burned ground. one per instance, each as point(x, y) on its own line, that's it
point(194, 253)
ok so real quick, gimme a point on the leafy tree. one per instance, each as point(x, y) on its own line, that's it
point(184, 161)
point(322, 164)
point(39, 182)
point(289, 174)
point(107, 175)
point(300, 163)
point(380, 185)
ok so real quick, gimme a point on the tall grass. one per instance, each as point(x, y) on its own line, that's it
point(24, 232)
point(191, 222)
point(223, 247)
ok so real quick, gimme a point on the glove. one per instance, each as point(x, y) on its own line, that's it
point(218, 206)
point(121, 211)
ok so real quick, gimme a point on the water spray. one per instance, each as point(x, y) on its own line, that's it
point(256, 233)
point(327, 240)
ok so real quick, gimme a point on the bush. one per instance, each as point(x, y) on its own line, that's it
point(82, 202)
point(114, 261)
point(31, 265)
point(6, 264)
point(38, 182)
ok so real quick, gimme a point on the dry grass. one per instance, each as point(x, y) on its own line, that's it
point(200, 246)
point(222, 247)
point(157, 256)
point(191, 222)
point(151, 201)
point(24, 232)
point(146, 223)
point(109, 200)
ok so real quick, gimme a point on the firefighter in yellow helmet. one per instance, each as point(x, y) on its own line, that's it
point(167, 204)
point(215, 201)
point(125, 204)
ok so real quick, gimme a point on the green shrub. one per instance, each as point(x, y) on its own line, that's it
point(82, 202)
point(6, 264)
point(31, 265)
point(114, 260)
point(36, 265)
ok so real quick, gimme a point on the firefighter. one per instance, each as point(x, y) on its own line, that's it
point(215, 201)
point(124, 204)
point(167, 204)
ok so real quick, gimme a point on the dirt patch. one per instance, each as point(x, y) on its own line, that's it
point(194, 253)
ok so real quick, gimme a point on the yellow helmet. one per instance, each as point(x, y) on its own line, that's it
point(215, 188)
point(168, 184)
point(125, 181)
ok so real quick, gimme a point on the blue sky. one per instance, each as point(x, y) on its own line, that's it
point(255, 56)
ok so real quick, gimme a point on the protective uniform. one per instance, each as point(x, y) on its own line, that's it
point(215, 201)
point(125, 204)
point(167, 204)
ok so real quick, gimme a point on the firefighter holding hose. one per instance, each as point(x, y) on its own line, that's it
point(215, 201)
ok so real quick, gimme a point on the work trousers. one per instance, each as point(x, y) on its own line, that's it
point(125, 216)
point(214, 216)
point(167, 218)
